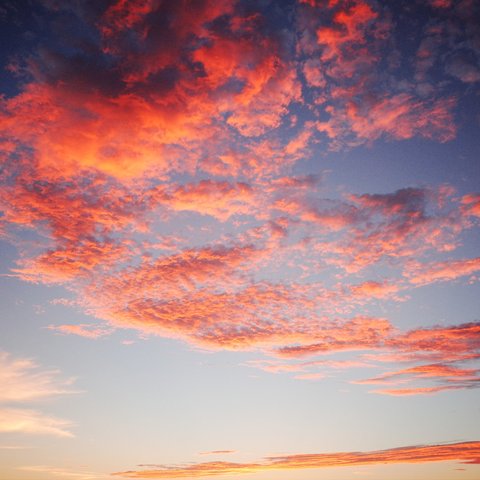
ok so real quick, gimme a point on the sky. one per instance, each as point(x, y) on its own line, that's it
point(239, 239)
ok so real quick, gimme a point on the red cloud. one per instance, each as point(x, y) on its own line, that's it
point(440, 3)
point(346, 52)
point(471, 205)
point(466, 452)
point(398, 117)
point(350, 28)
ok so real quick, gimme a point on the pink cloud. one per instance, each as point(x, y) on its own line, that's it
point(218, 452)
point(82, 330)
point(422, 274)
point(398, 117)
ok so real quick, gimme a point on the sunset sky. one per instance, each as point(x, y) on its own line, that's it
point(239, 239)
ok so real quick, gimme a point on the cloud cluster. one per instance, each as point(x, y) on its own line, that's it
point(148, 163)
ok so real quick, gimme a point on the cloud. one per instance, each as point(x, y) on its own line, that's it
point(373, 289)
point(422, 274)
point(218, 199)
point(466, 452)
point(440, 3)
point(20, 420)
point(82, 330)
point(23, 383)
point(152, 169)
point(404, 392)
point(449, 341)
point(449, 377)
point(218, 452)
point(72, 262)
point(62, 472)
point(361, 97)
point(471, 205)
point(464, 68)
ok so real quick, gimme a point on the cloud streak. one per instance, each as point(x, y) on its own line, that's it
point(23, 382)
point(466, 452)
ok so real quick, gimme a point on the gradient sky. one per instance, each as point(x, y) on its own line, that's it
point(240, 239)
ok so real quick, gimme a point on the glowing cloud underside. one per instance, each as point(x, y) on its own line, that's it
point(468, 452)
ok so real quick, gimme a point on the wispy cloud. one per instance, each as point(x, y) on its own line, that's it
point(467, 452)
point(218, 452)
point(442, 271)
point(79, 474)
point(21, 420)
point(24, 382)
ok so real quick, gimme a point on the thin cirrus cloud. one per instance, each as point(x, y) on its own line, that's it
point(449, 377)
point(218, 452)
point(63, 472)
point(27, 421)
point(466, 452)
point(24, 383)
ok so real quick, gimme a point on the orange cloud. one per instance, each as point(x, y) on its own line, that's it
point(466, 452)
point(63, 472)
point(73, 262)
point(373, 289)
point(218, 199)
